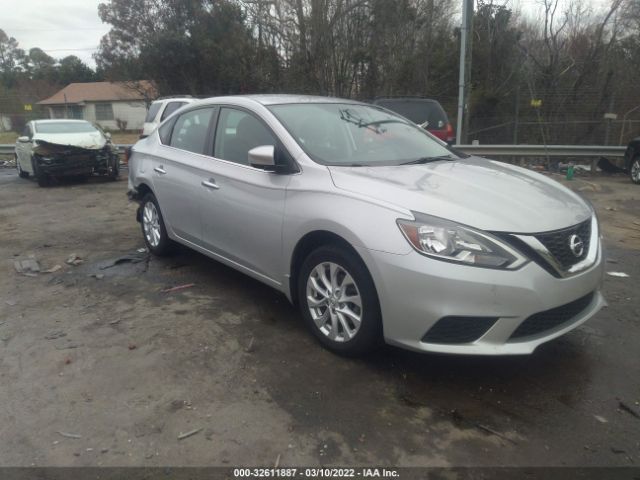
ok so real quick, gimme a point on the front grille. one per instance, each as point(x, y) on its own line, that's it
point(557, 243)
point(450, 330)
point(550, 319)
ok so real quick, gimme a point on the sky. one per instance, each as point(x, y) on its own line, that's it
point(59, 27)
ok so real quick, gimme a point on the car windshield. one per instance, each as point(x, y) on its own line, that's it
point(352, 134)
point(65, 127)
point(418, 111)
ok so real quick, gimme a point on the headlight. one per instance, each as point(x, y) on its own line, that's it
point(445, 240)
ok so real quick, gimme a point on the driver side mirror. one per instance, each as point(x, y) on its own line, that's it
point(24, 139)
point(263, 157)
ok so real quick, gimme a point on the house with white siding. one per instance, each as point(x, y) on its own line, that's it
point(112, 105)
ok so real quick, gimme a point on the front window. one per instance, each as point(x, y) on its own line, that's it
point(352, 134)
point(65, 127)
point(104, 111)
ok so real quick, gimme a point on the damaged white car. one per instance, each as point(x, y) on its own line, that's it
point(50, 149)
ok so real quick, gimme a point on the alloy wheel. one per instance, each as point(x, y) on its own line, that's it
point(635, 171)
point(151, 224)
point(334, 301)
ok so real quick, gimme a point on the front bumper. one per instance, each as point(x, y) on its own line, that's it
point(415, 292)
point(77, 162)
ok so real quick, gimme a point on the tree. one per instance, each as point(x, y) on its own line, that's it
point(10, 59)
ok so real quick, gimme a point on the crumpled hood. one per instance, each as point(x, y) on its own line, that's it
point(481, 193)
point(93, 141)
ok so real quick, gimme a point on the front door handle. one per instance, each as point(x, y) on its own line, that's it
point(160, 170)
point(210, 184)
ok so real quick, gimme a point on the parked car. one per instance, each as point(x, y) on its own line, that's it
point(425, 112)
point(375, 229)
point(632, 160)
point(55, 148)
point(161, 109)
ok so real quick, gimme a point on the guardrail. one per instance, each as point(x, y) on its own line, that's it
point(494, 150)
point(589, 151)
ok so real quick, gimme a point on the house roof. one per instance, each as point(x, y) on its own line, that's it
point(100, 92)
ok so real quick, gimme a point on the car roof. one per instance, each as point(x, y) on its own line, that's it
point(279, 99)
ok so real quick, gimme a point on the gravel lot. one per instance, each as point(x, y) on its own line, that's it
point(98, 366)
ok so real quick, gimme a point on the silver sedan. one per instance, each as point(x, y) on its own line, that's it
point(377, 230)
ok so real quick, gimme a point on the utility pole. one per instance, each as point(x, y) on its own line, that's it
point(465, 35)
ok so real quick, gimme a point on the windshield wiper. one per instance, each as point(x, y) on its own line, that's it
point(428, 160)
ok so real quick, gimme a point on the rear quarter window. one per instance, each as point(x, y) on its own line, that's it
point(170, 108)
point(153, 111)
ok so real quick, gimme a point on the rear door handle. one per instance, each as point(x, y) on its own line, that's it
point(211, 183)
point(160, 170)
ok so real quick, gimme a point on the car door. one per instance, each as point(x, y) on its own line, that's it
point(242, 214)
point(178, 170)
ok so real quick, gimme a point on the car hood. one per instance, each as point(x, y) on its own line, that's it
point(83, 140)
point(474, 191)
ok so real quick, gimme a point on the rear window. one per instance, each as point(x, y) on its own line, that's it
point(65, 127)
point(170, 108)
point(418, 111)
point(153, 111)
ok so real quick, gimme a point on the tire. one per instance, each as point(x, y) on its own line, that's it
point(153, 228)
point(42, 178)
point(634, 170)
point(328, 321)
point(114, 171)
point(21, 173)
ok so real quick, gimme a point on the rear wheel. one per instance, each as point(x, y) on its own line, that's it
point(634, 171)
point(21, 172)
point(153, 228)
point(338, 301)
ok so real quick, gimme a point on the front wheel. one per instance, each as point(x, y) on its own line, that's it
point(153, 228)
point(338, 301)
point(41, 177)
point(634, 171)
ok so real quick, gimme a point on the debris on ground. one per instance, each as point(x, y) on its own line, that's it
point(277, 462)
point(27, 266)
point(97, 276)
point(131, 258)
point(626, 408)
point(114, 322)
point(179, 287)
point(74, 259)
point(11, 303)
point(607, 166)
point(67, 360)
point(55, 335)
point(188, 434)
point(491, 431)
point(600, 419)
point(611, 260)
point(69, 435)
point(618, 274)
point(132, 346)
point(249, 348)
point(53, 269)
point(142, 250)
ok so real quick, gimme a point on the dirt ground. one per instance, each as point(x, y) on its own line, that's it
point(99, 367)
